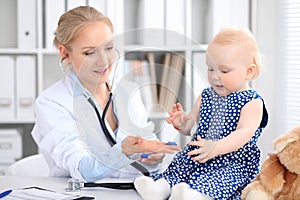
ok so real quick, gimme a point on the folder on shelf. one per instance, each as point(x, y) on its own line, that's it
point(226, 13)
point(25, 86)
point(164, 78)
point(174, 80)
point(26, 24)
point(151, 63)
point(138, 72)
point(75, 3)
point(7, 88)
point(54, 9)
point(100, 5)
point(199, 73)
point(175, 22)
point(152, 25)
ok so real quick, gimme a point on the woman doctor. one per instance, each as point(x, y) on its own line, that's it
point(67, 130)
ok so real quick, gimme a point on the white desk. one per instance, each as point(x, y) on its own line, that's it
point(59, 185)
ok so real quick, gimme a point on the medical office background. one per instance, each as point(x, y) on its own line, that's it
point(29, 63)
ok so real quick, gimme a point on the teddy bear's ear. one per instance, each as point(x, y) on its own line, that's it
point(281, 143)
point(291, 136)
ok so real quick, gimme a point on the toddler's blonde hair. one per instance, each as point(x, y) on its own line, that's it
point(245, 39)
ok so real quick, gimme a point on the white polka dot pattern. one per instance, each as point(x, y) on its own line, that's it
point(222, 177)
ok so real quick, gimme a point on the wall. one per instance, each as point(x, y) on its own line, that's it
point(265, 31)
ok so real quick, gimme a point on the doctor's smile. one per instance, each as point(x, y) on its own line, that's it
point(100, 72)
point(92, 143)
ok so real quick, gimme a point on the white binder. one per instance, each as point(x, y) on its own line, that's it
point(26, 24)
point(75, 3)
point(7, 87)
point(226, 13)
point(151, 21)
point(175, 22)
point(100, 5)
point(138, 71)
point(199, 73)
point(54, 9)
point(26, 86)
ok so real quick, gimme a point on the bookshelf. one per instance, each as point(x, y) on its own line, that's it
point(180, 27)
point(185, 28)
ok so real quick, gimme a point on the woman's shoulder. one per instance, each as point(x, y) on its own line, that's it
point(57, 89)
point(59, 93)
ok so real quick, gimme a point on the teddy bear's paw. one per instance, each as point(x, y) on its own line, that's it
point(258, 195)
point(152, 190)
point(182, 191)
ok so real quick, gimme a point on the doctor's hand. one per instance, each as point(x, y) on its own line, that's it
point(136, 144)
point(153, 159)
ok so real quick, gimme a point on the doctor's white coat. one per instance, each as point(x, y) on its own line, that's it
point(67, 131)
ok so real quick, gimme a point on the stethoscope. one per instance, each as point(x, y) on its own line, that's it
point(76, 185)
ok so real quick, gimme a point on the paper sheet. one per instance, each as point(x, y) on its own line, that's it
point(35, 193)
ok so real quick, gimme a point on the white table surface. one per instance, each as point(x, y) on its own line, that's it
point(59, 185)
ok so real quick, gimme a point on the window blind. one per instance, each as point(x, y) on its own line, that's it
point(289, 13)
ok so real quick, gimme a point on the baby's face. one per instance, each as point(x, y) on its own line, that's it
point(227, 68)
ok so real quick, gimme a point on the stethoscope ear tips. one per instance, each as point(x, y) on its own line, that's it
point(62, 59)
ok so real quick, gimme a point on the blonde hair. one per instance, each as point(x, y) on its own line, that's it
point(245, 39)
point(71, 22)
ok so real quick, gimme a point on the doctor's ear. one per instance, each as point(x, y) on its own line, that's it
point(64, 53)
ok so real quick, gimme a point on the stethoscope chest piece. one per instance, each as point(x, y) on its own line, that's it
point(74, 185)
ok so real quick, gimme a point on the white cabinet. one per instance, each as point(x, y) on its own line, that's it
point(143, 28)
point(10, 147)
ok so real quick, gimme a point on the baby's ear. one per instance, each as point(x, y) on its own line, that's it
point(251, 69)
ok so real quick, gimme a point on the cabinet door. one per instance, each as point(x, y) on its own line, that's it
point(7, 86)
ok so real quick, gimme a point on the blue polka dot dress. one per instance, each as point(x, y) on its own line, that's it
point(225, 176)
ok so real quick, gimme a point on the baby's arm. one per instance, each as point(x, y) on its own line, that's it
point(180, 120)
point(250, 118)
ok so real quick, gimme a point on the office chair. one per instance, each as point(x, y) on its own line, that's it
point(34, 165)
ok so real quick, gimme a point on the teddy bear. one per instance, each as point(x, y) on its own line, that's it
point(279, 178)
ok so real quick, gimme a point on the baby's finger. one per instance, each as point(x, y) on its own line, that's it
point(169, 120)
point(197, 143)
point(200, 158)
point(194, 153)
point(179, 107)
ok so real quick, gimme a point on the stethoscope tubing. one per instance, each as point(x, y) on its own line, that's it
point(111, 140)
point(117, 186)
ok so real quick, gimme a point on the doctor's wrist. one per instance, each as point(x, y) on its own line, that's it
point(128, 145)
point(125, 150)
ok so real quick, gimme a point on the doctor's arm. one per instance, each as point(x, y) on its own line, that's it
point(57, 135)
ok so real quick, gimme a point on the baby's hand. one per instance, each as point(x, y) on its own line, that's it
point(206, 150)
point(177, 117)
